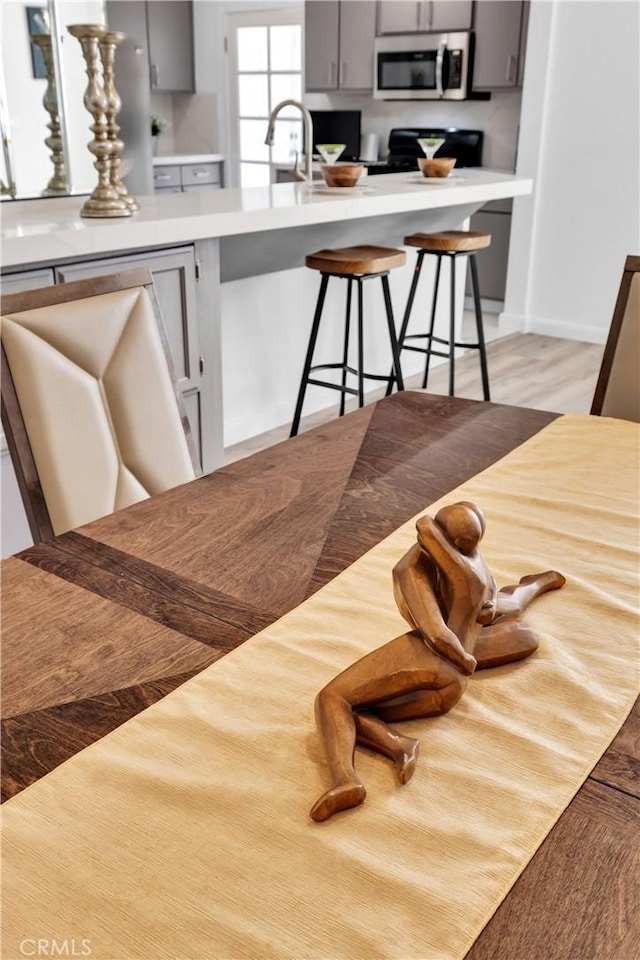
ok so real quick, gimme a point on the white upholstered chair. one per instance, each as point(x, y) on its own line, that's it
point(617, 392)
point(90, 408)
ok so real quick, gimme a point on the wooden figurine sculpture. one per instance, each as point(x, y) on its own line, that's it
point(459, 622)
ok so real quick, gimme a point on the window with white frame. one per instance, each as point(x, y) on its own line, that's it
point(265, 48)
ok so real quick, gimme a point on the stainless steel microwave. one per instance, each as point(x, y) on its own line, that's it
point(422, 66)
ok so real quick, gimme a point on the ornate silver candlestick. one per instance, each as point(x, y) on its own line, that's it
point(58, 182)
point(108, 43)
point(105, 201)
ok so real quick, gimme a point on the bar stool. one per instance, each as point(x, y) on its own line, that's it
point(353, 264)
point(451, 244)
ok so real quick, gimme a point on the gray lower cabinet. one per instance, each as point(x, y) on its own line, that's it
point(493, 218)
point(174, 278)
point(27, 280)
point(186, 281)
point(182, 177)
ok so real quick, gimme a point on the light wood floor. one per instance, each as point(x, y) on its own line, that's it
point(526, 370)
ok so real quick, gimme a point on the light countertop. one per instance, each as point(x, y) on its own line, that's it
point(45, 230)
point(178, 159)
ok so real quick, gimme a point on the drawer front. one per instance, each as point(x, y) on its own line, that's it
point(168, 176)
point(27, 280)
point(198, 173)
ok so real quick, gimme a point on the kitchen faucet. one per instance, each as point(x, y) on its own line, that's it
point(308, 137)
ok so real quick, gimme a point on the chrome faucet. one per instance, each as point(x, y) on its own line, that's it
point(308, 137)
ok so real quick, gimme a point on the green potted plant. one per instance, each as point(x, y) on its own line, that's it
point(158, 124)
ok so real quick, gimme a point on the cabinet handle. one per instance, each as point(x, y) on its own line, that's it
point(342, 75)
point(162, 176)
point(155, 75)
point(333, 70)
point(425, 15)
point(511, 68)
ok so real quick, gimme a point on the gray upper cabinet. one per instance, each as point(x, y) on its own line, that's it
point(321, 40)
point(524, 30)
point(357, 33)
point(404, 16)
point(339, 44)
point(170, 32)
point(500, 42)
point(449, 14)
point(163, 29)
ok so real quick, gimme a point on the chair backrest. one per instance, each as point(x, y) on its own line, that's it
point(617, 392)
point(91, 411)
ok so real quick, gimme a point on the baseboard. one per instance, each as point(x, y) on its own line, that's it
point(486, 303)
point(512, 323)
point(567, 331)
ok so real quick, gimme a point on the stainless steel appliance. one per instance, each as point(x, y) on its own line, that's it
point(423, 66)
point(404, 149)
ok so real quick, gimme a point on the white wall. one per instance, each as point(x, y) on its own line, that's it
point(580, 140)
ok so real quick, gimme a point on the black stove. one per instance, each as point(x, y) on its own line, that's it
point(404, 149)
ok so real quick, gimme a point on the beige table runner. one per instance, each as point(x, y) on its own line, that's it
point(185, 833)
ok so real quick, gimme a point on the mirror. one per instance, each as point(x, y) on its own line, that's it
point(44, 125)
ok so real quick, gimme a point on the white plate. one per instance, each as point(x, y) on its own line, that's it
point(340, 191)
point(418, 178)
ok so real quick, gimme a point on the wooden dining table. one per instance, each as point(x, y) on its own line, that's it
point(103, 621)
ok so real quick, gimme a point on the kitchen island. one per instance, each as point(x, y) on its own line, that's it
point(49, 231)
point(228, 269)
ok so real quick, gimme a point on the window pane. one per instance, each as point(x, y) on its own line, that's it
point(252, 145)
point(254, 174)
point(287, 139)
point(252, 48)
point(285, 47)
point(286, 86)
point(252, 93)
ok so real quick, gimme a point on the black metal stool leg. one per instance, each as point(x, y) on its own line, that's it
point(345, 352)
point(360, 345)
point(480, 327)
point(452, 329)
point(407, 313)
point(307, 363)
point(432, 322)
point(395, 350)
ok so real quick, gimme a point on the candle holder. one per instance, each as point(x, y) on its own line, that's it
point(108, 43)
point(105, 200)
point(58, 182)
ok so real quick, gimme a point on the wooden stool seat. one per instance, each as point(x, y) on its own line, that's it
point(356, 261)
point(356, 265)
point(450, 241)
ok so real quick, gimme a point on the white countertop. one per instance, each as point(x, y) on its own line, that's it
point(45, 230)
point(176, 159)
